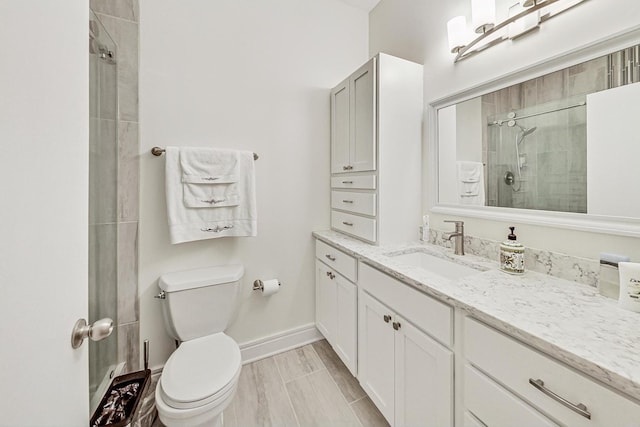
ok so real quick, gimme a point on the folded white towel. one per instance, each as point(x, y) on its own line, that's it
point(210, 193)
point(470, 171)
point(471, 183)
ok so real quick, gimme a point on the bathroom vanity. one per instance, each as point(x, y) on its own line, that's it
point(466, 344)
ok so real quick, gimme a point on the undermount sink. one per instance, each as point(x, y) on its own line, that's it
point(440, 266)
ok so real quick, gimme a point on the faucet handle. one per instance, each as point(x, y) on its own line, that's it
point(454, 221)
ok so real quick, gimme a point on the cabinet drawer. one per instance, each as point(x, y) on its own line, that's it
point(496, 407)
point(361, 182)
point(362, 203)
point(513, 364)
point(427, 313)
point(338, 260)
point(364, 228)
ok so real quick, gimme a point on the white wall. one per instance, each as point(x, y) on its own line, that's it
point(417, 30)
point(251, 75)
point(44, 132)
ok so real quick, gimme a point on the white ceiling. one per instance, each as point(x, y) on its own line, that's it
point(365, 5)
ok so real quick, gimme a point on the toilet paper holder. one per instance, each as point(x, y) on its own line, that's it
point(258, 285)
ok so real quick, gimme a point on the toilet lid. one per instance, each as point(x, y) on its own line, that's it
point(199, 369)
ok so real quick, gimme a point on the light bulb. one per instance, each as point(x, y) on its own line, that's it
point(456, 28)
point(483, 15)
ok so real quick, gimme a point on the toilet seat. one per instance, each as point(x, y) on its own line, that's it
point(201, 372)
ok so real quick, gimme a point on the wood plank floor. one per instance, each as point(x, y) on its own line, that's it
point(306, 386)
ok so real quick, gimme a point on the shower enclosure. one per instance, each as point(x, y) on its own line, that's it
point(538, 156)
point(103, 201)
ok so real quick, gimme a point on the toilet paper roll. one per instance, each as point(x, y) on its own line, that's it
point(629, 286)
point(270, 287)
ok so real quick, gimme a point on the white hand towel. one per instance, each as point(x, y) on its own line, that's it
point(210, 193)
point(471, 183)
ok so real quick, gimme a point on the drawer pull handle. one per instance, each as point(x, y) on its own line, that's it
point(387, 318)
point(347, 201)
point(331, 275)
point(396, 325)
point(347, 182)
point(579, 408)
point(330, 257)
point(350, 224)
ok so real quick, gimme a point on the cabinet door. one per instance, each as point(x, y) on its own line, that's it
point(340, 128)
point(346, 342)
point(326, 310)
point(362, 154)
point(376, 353)
point(424, 379)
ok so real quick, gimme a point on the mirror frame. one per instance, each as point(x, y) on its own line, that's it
point(622, 226)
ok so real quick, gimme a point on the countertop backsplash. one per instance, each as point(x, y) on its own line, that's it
point(563, 266)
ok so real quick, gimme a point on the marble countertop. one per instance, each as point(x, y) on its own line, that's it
point(567, 320)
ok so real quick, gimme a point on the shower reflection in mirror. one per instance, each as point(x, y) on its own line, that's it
point(531, 138)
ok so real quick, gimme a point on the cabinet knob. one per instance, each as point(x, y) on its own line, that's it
point(331, 275)
point(396, 325)
point(386, 318)
point(345, 168)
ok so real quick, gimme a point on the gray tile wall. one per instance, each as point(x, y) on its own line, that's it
point(121, 19)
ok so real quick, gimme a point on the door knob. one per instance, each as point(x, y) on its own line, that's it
point(99, 330)
point(387, 318)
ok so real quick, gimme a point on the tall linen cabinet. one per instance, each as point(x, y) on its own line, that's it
point(376, 155)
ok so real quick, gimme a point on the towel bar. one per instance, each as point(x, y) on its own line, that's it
point(159, 151)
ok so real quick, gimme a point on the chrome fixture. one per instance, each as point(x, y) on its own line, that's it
point(523, 17)
point(99, 330)
point(458, 243)
point(510, 120)
point(579, 408)
point(161, 295)
point(159, 151)
point(258, 285)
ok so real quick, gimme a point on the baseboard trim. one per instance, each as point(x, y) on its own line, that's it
point(278, 343)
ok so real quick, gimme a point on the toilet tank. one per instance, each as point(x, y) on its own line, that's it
point(200, 302)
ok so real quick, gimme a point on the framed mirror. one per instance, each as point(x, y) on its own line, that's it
point(561, 148)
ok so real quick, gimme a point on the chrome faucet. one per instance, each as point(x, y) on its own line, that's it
point(458, 243)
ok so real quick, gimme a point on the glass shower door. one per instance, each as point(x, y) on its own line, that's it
point(103, 203)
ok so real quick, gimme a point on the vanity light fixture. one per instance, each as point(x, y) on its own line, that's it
point(457, 31)
point(523, 25)
point(524, 16)
point(483, 15)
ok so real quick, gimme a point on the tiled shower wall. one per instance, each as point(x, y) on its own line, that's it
point(121, 18)
point(554, 176)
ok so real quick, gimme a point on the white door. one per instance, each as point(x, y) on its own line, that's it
point(347, 323)
point(376, 353)
point(424, 379)
point(43, 218)
point(340, 128)
point(362, 155)
point(326, 301)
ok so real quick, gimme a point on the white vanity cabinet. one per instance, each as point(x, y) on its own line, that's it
point(403, 368)
point(376, 139)
point(353, 119)
point(507, 383)
point(336, 302)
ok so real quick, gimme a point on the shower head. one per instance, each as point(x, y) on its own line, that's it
point(524, 133)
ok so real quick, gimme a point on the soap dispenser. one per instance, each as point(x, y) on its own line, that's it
point(512, 254)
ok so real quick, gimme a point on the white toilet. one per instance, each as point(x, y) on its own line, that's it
point(200, 378)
